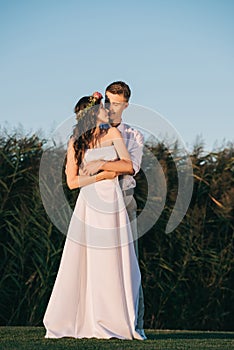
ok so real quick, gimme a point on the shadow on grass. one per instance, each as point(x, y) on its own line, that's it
point(188, 335)
point(32, 338)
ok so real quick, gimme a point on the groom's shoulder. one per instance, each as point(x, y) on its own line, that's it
point(128, 128)
point(131, 131)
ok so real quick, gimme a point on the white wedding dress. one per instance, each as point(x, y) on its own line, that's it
point(96, 290)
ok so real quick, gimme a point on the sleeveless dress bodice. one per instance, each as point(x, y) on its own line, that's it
point(100, 153)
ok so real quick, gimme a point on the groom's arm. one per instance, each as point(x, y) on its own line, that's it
point(135, 148)
point(118, 166)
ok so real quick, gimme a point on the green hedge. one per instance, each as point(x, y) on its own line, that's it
point(187, 275)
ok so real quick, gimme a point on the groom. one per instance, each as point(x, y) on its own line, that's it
point(117, 96)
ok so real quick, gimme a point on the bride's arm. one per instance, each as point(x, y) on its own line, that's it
point(72, 169)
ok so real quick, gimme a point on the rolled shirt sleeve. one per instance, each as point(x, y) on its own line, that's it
point(134, 141)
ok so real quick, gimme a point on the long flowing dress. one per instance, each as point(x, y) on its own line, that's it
point(96, 290)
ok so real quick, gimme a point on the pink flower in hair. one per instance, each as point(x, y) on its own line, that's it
point(97, 95)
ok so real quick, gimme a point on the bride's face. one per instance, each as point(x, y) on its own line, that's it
point(102, 116)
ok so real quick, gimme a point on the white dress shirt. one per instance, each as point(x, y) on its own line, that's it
point(134, 141)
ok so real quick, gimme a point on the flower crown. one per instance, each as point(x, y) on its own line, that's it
point(92, 100)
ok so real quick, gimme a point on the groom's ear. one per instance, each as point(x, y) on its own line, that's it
point(126, 105)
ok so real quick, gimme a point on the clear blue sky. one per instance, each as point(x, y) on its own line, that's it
point(177, 56)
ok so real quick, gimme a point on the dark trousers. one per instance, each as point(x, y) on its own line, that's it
point(131, 207)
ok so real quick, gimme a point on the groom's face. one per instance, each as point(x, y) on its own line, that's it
point(116, 105)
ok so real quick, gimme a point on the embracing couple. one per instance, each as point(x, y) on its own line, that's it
point(98, 292)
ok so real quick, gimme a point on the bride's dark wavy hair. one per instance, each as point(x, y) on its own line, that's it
point(86, 111)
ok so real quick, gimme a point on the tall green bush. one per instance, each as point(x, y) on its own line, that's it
point(187, 275)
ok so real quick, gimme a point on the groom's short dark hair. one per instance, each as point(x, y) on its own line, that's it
point(119, 88)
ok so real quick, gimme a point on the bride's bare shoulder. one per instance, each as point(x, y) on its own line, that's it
point(114, 132)
point(70, 142)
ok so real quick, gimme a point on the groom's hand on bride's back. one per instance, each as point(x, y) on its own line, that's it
point(108, 175)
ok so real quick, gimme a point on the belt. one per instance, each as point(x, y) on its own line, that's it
point(128, 192)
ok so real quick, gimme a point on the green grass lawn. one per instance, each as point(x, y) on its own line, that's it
point(32, 338)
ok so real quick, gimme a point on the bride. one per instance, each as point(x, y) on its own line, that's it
point(96, 290)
